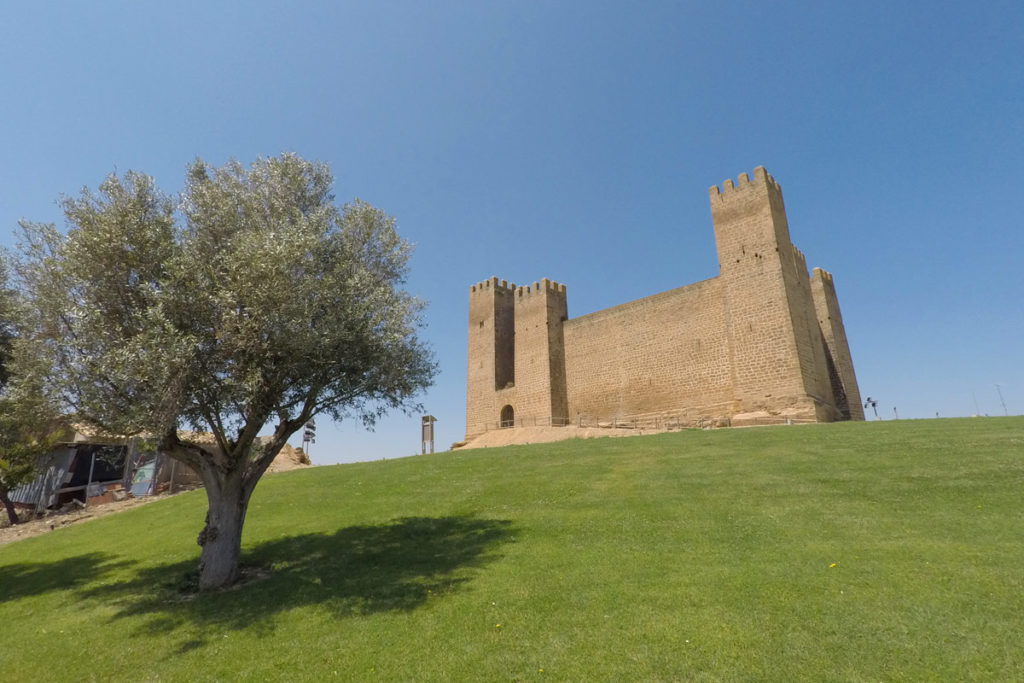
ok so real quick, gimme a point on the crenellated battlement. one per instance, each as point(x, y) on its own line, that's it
point(761, 338)
point(492, 285)
point(544, 285)
point(744, 184)
point(504, 286)
point(496, 285)
point(822, 274)
point(749, 218)
point(801, 260)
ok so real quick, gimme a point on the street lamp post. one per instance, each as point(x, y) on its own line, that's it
point(874, 406)
point(308, 436)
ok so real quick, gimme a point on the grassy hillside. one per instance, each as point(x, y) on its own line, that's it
point(872, 551)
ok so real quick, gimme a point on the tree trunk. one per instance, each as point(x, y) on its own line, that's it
point(221, 538)
point(12, 514)
point(229, 479)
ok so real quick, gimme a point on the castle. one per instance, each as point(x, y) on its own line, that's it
point(761, 342)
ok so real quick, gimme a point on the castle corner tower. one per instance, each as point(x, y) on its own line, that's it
point(516, 360)
point(763, 342)
point(778, 363)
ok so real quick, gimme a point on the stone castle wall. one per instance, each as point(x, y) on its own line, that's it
point(663, 352)
point(761, 338)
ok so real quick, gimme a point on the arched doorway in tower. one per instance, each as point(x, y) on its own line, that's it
point(508, 417)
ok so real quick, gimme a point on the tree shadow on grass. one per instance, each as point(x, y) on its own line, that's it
point(24, 579)
point(355, 571)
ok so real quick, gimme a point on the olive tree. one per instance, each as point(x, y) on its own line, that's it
point(26, 434)
point(16, 466)
point(248, 305)
point(26, 425)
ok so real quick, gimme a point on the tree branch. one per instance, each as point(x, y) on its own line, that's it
point(217, 427)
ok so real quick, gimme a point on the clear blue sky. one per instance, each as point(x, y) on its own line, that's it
point(576, 141)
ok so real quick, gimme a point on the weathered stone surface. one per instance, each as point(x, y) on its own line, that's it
point(761, 338)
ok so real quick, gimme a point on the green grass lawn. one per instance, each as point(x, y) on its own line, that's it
point(871, 551)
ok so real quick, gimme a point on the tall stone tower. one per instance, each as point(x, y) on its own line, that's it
point(775, 345)
point(837, 350)
point(516, 360)
point(761, 343)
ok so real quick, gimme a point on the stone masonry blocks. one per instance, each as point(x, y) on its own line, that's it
point(763, 337)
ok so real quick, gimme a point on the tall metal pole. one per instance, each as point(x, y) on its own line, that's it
point(1000, 392)
point(92, 464)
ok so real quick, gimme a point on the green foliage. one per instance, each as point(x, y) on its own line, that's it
point(96, 317)
point(21, 446)
point(9, 311)
point(854, 551)
point(26, 427)
point(268, 304)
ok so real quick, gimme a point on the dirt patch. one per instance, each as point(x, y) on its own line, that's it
point(57, 519)
point(527, 435)
point(288, 459)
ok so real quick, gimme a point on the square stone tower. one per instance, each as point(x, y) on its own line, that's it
point(763, 341)
point(515, 374)
point(775, 345)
